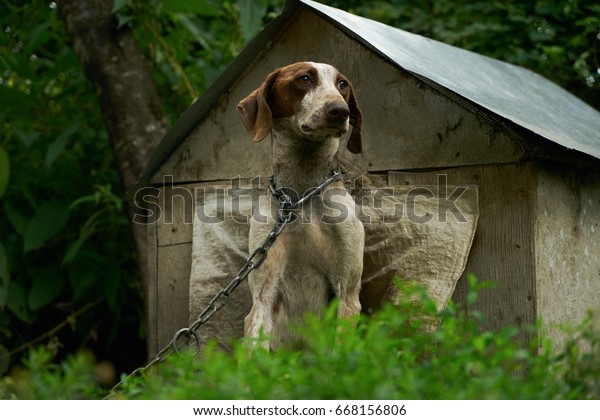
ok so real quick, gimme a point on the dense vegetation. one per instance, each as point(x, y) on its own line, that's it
point(389, 356)
point(68, 275)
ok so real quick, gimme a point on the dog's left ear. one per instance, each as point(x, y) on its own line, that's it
point(255, 111)
point(355, 140)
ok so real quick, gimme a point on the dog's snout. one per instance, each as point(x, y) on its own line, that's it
point(337, 111)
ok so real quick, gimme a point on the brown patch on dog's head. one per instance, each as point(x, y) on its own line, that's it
point(255, 111)
point(281, 95)
point(277, 97)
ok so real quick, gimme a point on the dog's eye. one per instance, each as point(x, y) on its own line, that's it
point(304, 80)
point(342, 85)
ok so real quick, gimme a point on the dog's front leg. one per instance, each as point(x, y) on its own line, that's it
point(258, 324)
point(351, 257)
point(264, 284)
point(349, 306)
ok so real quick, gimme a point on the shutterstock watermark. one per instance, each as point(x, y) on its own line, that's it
point(245, 200)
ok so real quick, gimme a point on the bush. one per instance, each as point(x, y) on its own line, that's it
point(396, 354)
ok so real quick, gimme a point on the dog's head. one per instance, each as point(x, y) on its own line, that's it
point(313, 100)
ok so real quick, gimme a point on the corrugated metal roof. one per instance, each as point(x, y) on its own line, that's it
point(512, 92)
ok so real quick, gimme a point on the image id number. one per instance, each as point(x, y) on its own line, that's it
point(370, 410)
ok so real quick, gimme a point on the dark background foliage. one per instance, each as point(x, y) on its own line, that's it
point(68, 269)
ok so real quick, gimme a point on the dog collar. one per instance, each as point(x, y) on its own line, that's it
point(285, 200)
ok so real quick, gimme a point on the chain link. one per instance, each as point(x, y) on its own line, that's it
point(286, 215)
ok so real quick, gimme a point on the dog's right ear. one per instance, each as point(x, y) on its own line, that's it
point(255, 110)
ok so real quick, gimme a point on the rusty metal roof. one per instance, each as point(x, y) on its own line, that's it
point(511, 92)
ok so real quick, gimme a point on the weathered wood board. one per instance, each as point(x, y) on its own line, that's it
point(407, 124)
point(503, 248)
point(567, 251)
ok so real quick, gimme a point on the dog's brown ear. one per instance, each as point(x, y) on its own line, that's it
point(355, 140)
point(255, 111)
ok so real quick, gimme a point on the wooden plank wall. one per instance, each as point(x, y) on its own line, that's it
point(170, 260)
point(503, 248)
point(567, 247)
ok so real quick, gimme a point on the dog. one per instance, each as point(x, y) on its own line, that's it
point(306, 107)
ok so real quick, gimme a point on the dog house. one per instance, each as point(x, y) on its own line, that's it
point(495, 171)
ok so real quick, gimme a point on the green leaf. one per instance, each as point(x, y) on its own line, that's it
point(198, 7)
point(58, 145)
point(4, 277)
point(85, 273)
point(37, 38)
point(47, 222)
point(123, 15)
point(86, 231)
point(83, 284)
point(123, 20)
point(251, 14)
point(27, 138)
point(73, 249)
point(119, 4)
point(4, 170)
point(16, 217)
point(197, 33)
point(47, 285)
point(17, 302)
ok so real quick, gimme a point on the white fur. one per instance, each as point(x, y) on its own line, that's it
point(310, 119)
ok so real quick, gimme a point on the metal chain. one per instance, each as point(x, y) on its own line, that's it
point(285, 213)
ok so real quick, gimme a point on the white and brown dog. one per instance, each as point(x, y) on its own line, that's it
point(307, 107)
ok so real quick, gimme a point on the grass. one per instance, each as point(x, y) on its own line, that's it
point(391, 355)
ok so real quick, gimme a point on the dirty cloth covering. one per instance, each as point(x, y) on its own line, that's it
point(421, 233)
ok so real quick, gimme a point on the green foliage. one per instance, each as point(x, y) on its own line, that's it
point(64, 237)
point(396, 354)
point(581, 359)
point(40, 378)
point(65, 242)
point(191, 43)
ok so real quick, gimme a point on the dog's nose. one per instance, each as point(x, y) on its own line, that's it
point(337, 111)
